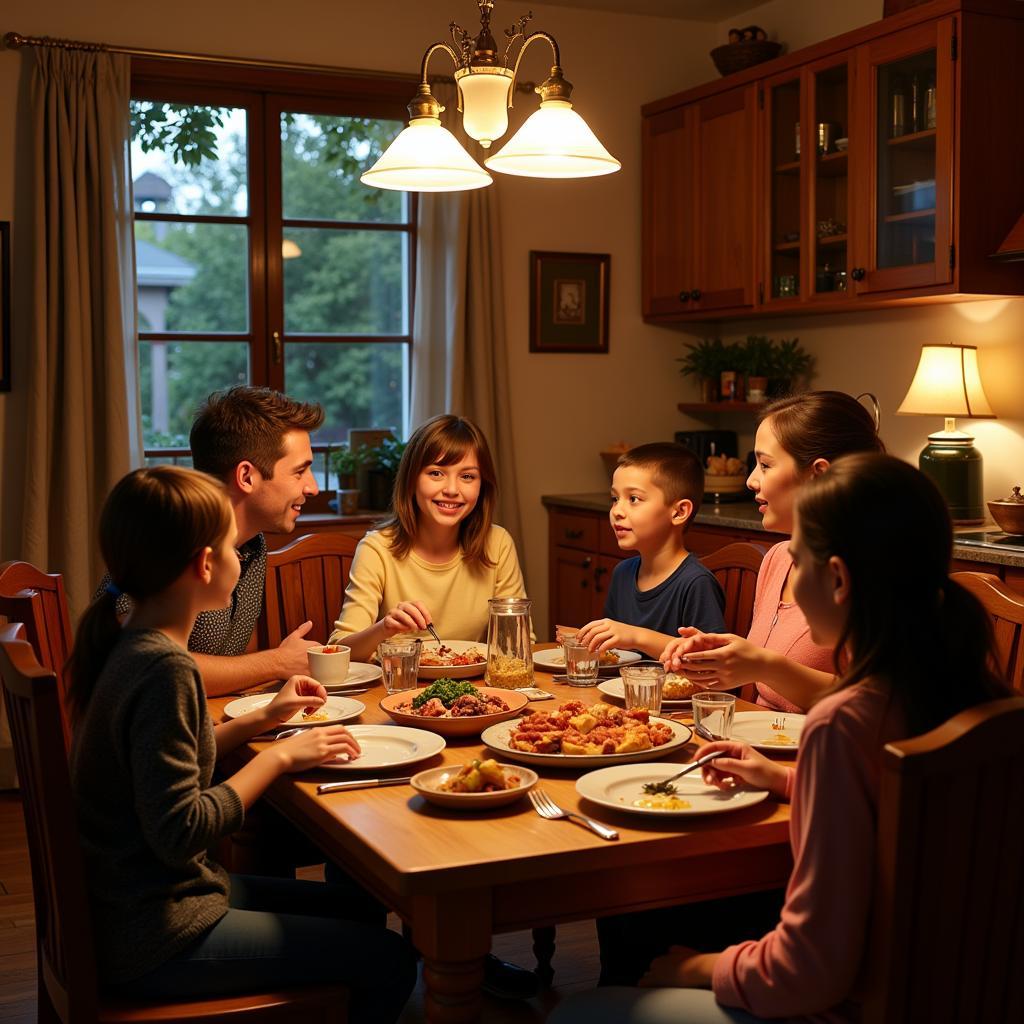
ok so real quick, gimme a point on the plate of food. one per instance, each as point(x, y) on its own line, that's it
point(332, 711)
point(676, 693)
point(640, 789)
point(770, 731)
point(477, 785)
point(453, 707)
point(388, 746)
point(456, 659)
point(553, 660)
point(577, 735)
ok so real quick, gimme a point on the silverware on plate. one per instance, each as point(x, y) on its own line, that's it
point(334, 787)
point(547, 808)
point(433, 632)
point(665, 786)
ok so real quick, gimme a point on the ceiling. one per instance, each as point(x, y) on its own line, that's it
point(685, 10)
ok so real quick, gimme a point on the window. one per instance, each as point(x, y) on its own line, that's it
point(260, 257)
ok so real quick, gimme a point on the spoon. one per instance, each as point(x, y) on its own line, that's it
point(666, 787)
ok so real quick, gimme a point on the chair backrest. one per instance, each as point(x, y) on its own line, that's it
point(948, 928)
point(63, 922)
point(306, 580)
point(736, 566)
point(37, 600)
point(1006, 609)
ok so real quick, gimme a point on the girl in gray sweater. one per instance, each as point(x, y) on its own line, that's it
point(169, 922)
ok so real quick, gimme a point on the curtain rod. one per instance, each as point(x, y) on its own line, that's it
point(15, 41)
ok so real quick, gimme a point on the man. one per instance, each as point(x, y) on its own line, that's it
point(256, 441)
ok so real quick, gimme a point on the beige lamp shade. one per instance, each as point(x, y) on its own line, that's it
point(554, 142)
point(484, 102)
point(289, 250)
point(947, 383)
point(426, 157)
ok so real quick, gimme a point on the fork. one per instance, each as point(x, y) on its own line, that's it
point(779, 723)
point(547, 808)
point(433, 633)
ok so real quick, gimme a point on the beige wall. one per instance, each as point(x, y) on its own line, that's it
point(567, 407)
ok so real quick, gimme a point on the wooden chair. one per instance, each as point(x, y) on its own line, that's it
point(37, 600)
point(948, 928)
point(68, 990)
point(736, 566)
point(306, 580)
point(1006, 609)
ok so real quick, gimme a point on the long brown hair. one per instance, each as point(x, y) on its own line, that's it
point(822, 425)
point(909, 625)
point(444, 441)
point(153, 523)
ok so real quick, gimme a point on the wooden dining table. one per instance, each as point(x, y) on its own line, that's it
point(458, 877)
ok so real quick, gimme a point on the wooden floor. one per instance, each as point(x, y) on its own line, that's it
point(576, 963)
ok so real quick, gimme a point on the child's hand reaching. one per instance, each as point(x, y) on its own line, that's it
point(315, 746)
point(603, 634)
point(743, 764)
point(300, 693)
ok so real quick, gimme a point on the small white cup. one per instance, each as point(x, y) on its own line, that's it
point(329, 664)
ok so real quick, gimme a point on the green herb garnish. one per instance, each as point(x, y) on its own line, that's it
point(659, 788)
point(447, 691)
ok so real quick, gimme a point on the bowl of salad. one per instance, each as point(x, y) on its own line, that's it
point(452, 707)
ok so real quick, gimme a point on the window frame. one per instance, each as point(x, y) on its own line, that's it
point(265, 93)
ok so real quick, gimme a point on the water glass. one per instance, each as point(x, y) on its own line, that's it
point(400, 663)
point(714, 711)
point(580, 664)
point(643, 683)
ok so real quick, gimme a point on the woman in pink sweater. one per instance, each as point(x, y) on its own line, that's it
point(796, 441)
point(917, 650)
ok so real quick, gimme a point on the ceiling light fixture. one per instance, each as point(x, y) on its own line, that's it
point(555, 142)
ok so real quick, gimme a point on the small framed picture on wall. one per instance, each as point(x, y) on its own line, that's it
point(569, 297)
point(5, 305)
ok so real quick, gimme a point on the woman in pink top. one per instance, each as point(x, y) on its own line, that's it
point(796, 441)
point(917, 650)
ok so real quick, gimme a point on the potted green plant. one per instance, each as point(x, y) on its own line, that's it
point(757, 357)
point(793, 367)
point(706, 360)
point(345, 461)
point(382, 465)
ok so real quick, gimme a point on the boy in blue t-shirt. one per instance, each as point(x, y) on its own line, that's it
point(656, 492)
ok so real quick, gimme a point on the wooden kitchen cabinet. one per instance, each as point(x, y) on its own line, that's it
point(907, 209)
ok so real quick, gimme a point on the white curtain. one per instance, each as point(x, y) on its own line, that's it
point(83, 429)
point(460, 356)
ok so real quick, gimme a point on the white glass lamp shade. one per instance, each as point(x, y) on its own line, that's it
point(289, 250)
point(426, 157)
point(554, 142)
point(485, 103)
point(947, 383)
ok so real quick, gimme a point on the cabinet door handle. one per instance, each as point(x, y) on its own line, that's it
point(573, 534)
point(684, 296)
point(587, 562)
point(277, 347)
point(600, 571)
point(584, 584)
point(696, 294)
point(858, 273)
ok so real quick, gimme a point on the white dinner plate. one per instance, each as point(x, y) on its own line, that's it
point(619, 787)
point(497, 736)
point(553, 660)
point(616, 688)
point(389, 746)
point(453, 671)
point(339, 709)
point(359, 674)
point(755, 728)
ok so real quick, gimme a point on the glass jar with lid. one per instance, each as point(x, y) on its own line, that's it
point(509, 651)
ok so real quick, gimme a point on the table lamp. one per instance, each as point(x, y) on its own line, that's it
point(947, 383)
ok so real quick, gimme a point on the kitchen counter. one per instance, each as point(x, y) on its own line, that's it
point(743, 515)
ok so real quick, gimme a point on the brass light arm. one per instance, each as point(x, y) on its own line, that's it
point(423, 104)
point(555, 87)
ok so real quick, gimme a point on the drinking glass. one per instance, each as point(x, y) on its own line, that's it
point(580, 664)
point(400, 663)
point(714, 711)
point(643, 683)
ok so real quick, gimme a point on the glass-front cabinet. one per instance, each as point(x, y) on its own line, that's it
point(906, 223)
point(784, 145)
point(829, 213)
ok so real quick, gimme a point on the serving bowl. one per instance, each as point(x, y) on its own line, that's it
point(425, 783)
point(1009, 512)
point(470, 725)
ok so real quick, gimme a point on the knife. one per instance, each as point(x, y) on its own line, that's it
point(334, 787)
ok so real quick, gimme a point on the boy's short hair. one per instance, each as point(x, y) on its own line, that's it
point(673, 467)
point(247, 424)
